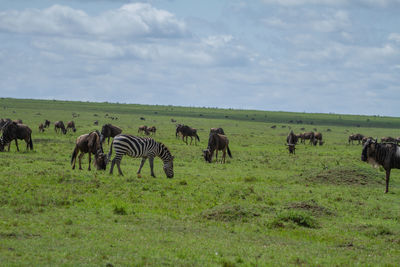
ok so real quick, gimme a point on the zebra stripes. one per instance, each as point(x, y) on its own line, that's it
point(144, 147)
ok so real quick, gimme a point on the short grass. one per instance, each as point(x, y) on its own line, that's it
point(320, 207)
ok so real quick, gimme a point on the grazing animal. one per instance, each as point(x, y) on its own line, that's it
point(273, 126)
point(41, 128)
point(172, 120)
point(142, 129)
point(217, 130)
point(46, 124)
point(89, 143)
point(142, 118)
point(308, 136)
point(96, 122)
point(318, 137)
point(59, 125)
point(144, 147)
point(355, 137)
point(14, 131)
point(108, 130)
point(71, 125)
point(291, 140)
point(364, 140)
point(152, 130)
point(388, 140)
point(186, 131)
point(216, 142)
point(178, 130)
point(386, 155)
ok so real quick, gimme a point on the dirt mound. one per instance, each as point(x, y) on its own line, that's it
point(228, 213)
point(346, 176)
point(310, 206)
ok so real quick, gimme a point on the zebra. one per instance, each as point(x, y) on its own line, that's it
point(144, 147)
point(385, 154)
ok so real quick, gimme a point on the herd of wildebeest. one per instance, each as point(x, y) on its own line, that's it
point(385, 153)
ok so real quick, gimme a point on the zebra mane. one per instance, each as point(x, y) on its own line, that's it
point(164, 148)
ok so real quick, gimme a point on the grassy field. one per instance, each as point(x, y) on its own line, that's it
point(264, 207)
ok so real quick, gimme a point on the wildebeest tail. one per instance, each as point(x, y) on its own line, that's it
point(197, 137)
point(229, 152)
point(30, 142)
point(74, 154)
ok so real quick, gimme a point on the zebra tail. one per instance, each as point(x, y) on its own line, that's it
point(229, 152)
point(74, 154)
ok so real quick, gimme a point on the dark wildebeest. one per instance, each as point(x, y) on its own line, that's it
point(172, 120)
point(142, 129)
point(186, 131)
point(386, 155)
point(273, 126)
point(142, 118)
point(89, 143)
point(18, 121)
point(41, 128)
point(357, 137)
point(96, 122)
point(178, 130)
point(388, 140)
point(318, 138)
point(307, 136)
point(152, 130)
point(14, 131)
point(46, 124)
point(291, 140)
point(59, 125)
point(217, 131)
point(216, 142)
point(364, 140)
point(108, 131)
point(71, 125)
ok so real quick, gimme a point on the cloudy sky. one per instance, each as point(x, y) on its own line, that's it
point(340, 56)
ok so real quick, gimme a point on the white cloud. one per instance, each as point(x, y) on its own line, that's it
point(380, 3)
point(394, 37)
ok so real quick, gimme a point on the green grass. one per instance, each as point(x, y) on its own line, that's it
point(320, 207)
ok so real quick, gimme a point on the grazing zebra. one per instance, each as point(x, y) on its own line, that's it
point(144, 147)
point(385, 154)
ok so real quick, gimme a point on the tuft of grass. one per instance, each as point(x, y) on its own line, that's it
point(228, 213)
point(296, 217)
point(119, 210)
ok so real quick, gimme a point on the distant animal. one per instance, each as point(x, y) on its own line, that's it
point(172, 120)
point(386, 155)
point(217, 131)
point(14, 131)
point(186, 131)
point(142, 118)
point(152, 130)
point(328, 130)
point(46, 124)
point(273, 126)
point(96, 122)
point(318, 137)
point(71, 125)
point(355, 137)
point(364, 140)
point(216, 142)
point(307, 136)
point(144, 147)
point(59, 125)
point(41, 128)
point(302, 129)
point(388, 140)
point(291, 141)
point(142, 129)
point(108, 130)
point(89, 143)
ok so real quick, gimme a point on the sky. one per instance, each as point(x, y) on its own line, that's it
point(325, 56)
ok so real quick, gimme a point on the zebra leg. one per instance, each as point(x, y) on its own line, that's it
point(141, 165)
point(112, 166)
point(387, 180)
point(151, 161)
point(119, 167)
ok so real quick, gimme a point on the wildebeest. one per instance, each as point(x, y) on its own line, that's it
point(307, 136)
point(291, 141)
point(152, 130)
point(217, 130)
point(142, 129)
point(172, 120)
point(178, 130)
point(388, 140)
point(96, 122)
point(108, 130)
point(386, 155)
point(364, 140)
point(59, 125)
point(71, 125)
point(358, 137)
point(14, 131)
point(89, 143)
point(216, 142)
point(46, 124)
point(273, 126)
point(18, 121)
point(318, 137)
point(142, 118)
point(41, 128)
point(186, 131)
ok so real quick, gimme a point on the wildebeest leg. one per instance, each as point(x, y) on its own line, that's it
point(223, 155)
point(191, 140)
point(141, 165)
point(80, 160)
point(387, 180)
point(9, 144)
point(90, 160)
point(151, 161)
point(108, 141)
point(216, 155)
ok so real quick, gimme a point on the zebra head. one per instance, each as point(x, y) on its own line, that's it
point(169, 167)
point(368, 149)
